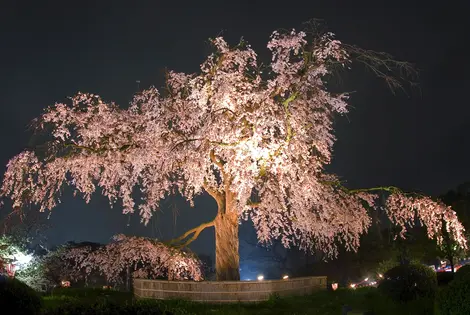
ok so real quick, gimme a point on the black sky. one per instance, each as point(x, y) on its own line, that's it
point(51, 49)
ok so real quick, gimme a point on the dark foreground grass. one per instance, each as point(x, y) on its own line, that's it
point(88, 296)
point(319, 303)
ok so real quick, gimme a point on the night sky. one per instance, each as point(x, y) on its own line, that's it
point(52, 49)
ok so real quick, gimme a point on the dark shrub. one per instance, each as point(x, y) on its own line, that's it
point(409, 282)
point(443, 278)
point(455, 298)
point(78, 307)
point(463, 272)
point(17, 298)
point(90, 293)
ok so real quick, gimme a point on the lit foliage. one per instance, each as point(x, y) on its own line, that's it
point(145, 258)
point(34, 275)
point(3, 262)
point(12, 251)
point(27, 267)
point(269, 134)
point(59, 264)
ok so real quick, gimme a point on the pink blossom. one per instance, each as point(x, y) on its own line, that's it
point(272, 133)
point(144, 257)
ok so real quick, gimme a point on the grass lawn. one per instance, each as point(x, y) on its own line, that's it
point(319, 303)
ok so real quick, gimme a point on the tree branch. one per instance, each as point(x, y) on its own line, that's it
point(212, 192)
point(81, 147)
point(195, 231)
point(383, 66)
point(184, 141)
point(253, 204)
point(121, 148)
point(224, 109)
point(287, 113)
point(390, 189)
point(219, 143)
point(216, 161)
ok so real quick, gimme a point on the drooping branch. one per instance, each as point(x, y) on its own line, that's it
point(101, 150)
point(145, 258)
point(287, 113)
point(213, 193)
point(390, 189)
point(253, 204)
point(183, 142)
point(432, 213)
point(76, 146)
point(384, 66)
point(220, 164)
point(218, 143)
point(216, 161)
point(194, 232)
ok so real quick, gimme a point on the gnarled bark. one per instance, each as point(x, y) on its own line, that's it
point(227, 258)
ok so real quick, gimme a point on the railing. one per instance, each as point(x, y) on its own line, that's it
point(226, 291)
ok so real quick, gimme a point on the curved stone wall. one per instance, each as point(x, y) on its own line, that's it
point(226, 291)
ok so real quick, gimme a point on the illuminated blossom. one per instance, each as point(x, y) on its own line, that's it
point(144, 257)
point(271, 130)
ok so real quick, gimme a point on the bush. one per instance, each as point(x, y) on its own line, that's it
point(89, 293)
point(463, 272)
point(409, 282)
point(105, 308)
point(34, 275)
point(443, 278)
point(455, 298)
point(388, 264)
point(18, 298)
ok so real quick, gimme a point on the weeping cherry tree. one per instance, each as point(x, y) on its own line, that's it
point(257, 139)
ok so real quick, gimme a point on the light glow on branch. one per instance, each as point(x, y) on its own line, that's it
point(21, 260)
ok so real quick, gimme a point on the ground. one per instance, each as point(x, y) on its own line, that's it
point(320, 303)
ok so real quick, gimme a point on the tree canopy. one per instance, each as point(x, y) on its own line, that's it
point(255, 138)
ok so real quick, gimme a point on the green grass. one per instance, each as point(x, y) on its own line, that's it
point(63, 296)
point(319, 303)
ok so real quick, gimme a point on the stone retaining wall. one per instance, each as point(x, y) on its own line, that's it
point(226, 291)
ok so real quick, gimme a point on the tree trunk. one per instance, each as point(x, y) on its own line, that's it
point(452, 267)
point(376, 223)
point(128, 282)
point(227, 258)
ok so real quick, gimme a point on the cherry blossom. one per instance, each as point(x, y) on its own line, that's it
point(257, 137)
point(145, 257)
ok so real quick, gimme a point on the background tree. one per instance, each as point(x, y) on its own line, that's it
point(208, 266)
point(459, 200)
point(257, 139)
point(273, 260)
point(34, 275)
point(143, 257)
point(3, 258)
point(26, 231)
point(59, 265)
point(14, 251)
